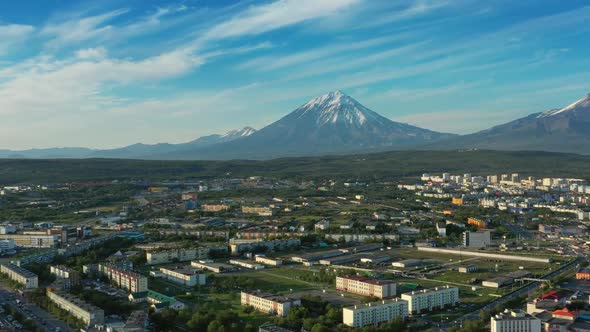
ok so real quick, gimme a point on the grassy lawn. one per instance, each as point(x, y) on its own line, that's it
point(279, 280)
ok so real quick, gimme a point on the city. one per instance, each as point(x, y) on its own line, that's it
point(436, 251)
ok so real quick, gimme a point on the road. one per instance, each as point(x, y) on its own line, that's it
point(44, 320)
point(474, 315)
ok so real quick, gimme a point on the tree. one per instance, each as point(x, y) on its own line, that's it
point(319, 328)
point(215, 326)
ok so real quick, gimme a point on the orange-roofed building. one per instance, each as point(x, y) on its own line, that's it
point(565, 313)
point(477, 222)
point(583, 274)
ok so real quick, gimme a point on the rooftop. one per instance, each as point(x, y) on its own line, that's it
point(368, 280)
point(23, 272)
point(513, 314)
point(270, 297)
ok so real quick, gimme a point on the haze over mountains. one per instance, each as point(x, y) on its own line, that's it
point(565, 129)
point(338, 124)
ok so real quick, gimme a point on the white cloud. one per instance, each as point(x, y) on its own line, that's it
point(12, 34)
point(71, 86)
point(277, 62)
point(75, 30)
point(279, 14)
point(92, 53)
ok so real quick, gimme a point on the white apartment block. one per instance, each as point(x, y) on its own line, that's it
point(429, 299)
point(179, 255)
point(268, 303)
point(64, 272)
point(183, 276)
point(268, 261)
point(479, 239)
point(20, 275)
point(367, 287)
point(87, 313)
point(375, 313)
point(128, 280)
point(514, 321)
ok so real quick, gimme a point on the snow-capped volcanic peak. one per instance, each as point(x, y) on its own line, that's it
point(337, 107)
point(237, 133)
point(583, 103)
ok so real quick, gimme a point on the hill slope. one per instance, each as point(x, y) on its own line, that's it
point(560, 130)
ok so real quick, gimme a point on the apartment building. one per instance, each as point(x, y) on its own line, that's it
point(183, 276)
point(477, 222)
point(20, 275)
point(268, 261)
point(214, 207)
point(175, 255)
point(430, 299)
point(514, 321)
point(87, 313)
point(367, 287)
point(261, 211)
point(375, 313)
point(32, 240)
point(238, 246)
point(64, 272)
point(583, 274)
point(125, 279)
point(479, 239)
point(268, 303)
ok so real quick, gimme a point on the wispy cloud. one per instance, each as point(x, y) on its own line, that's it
point(278, 14)
point(75, 30)
point(12, 34)
point(278, 61)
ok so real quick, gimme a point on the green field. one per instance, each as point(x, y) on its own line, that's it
point(367, 166)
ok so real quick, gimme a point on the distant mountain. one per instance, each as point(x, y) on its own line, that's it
point(139, 150)
point(558, 130)
point(332, 123)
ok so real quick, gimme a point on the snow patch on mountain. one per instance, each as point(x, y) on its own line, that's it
point(336, 107)
point(581, 103)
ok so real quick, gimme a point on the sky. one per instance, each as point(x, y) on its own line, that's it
point(109, 73)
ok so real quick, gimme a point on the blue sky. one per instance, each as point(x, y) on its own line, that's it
point(112, 73)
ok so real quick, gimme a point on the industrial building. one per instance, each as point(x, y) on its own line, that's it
point(183, 276)
point(212, 267)
point(406, 263)
point(246, 264)
point(268, 261)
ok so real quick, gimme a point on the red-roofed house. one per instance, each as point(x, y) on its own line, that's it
point(555, 296)
point(565, 314)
